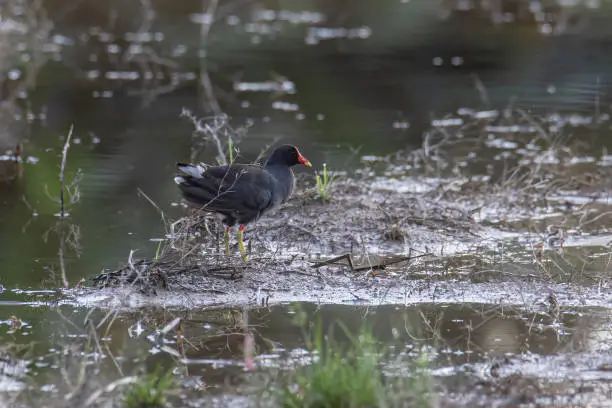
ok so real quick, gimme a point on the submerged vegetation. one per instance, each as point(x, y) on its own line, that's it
point(352, 376)
point(149, 390)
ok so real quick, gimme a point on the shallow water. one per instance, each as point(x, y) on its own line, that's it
point(350, 84)
point(212, 345)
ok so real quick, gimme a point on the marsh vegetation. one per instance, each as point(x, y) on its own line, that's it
point(450, 246)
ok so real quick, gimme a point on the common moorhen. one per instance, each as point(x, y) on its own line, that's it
point(241, 193)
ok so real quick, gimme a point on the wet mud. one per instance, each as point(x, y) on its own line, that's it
point(532, 244)
point(444, 239)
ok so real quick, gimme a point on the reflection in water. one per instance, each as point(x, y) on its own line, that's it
point(223, 341)
point(11, 128)
point(213, 348)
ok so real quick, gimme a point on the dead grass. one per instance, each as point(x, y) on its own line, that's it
point(448, 220)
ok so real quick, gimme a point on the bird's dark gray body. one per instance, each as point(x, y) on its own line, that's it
point(240, 193)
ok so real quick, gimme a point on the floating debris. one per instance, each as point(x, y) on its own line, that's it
point(401, 124)
point(8, 26)
point(373, 159)
point(285, 106)
point(316, 34)
point(466, 112)
point(122, 75)
point(447, 122)
point(103, 94)
point(583, 159)
point(606, 160)
point(511, 129)
point(284, 86)
point(293, 17)
point(457, 61)
point(500, 143)
point(490, 114)
point(7, 157)
point(62, 40)
point(144, 37)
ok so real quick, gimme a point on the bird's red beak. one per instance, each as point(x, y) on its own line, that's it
point(303, 160)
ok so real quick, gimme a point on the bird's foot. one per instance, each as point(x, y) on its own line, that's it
point(245, 257)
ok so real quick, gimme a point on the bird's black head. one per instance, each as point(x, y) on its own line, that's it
point(288, 155)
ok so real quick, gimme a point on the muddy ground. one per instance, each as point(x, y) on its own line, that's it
point(533, 236)
point(410, 239)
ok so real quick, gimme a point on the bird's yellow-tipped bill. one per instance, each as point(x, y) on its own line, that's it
point(303, 160)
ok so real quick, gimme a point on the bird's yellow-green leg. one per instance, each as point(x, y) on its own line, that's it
point(227, 248)
point(241, 243)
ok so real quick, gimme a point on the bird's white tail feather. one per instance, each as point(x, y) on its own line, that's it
point(191, 170)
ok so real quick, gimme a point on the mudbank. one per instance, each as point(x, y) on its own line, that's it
point(378, 240)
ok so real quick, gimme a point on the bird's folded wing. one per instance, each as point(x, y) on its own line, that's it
point(235, 188)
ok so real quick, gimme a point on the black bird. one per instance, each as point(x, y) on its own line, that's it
point(241, 193)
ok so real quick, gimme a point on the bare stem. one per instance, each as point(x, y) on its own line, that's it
point(61, 258)
point(62, 169)
point(205, 81)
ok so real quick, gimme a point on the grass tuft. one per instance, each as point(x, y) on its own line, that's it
point(149, 391)
point(230, 148)
point(352, 377)
point(324, 182)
